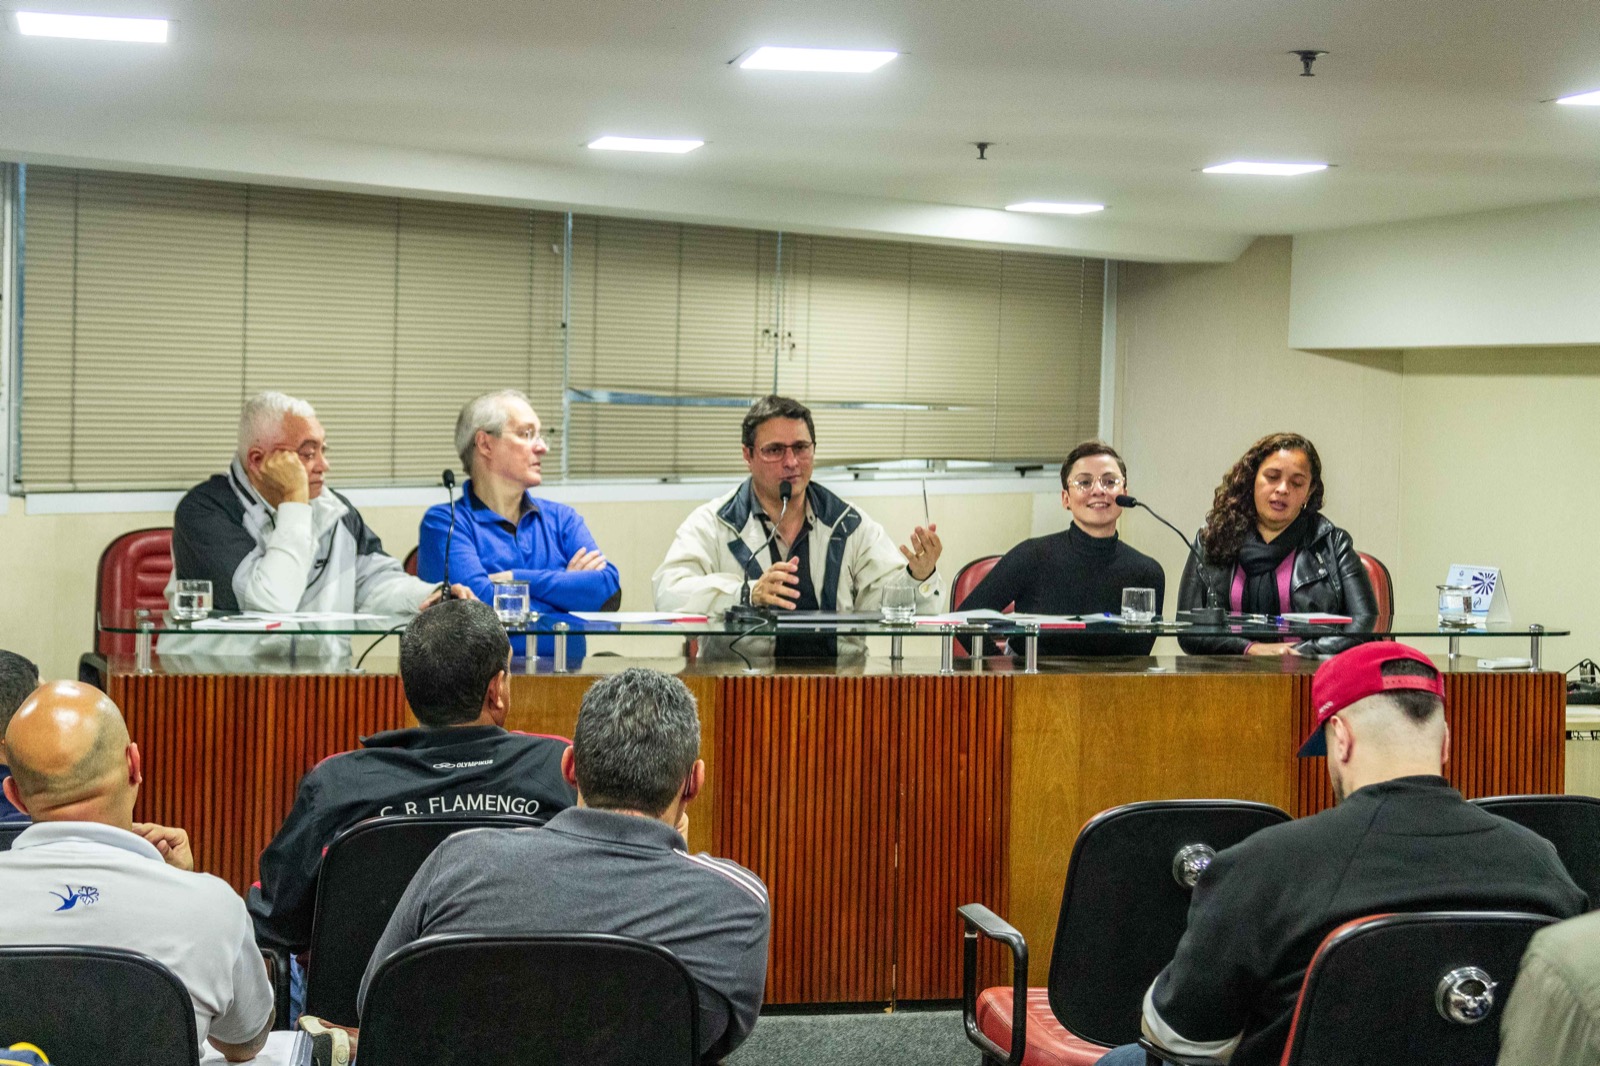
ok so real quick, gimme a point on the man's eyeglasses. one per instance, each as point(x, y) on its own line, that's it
point(527, 436)
point(774, 453)
point(1085, 485)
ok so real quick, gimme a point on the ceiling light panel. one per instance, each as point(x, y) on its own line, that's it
point(1581, 99)
point(1274, 170)
point(1047, 207)
point(817, 60)
point(644, 144)
point(92, 27)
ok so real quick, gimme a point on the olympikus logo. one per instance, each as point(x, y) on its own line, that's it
point(84, 894)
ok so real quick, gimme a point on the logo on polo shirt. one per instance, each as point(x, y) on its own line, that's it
point(84, 894)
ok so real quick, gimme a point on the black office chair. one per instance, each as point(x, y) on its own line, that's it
point(9, 831)
point(96, 1005)
point(1571, 823)
point(364, 873)
point(1123, 910)
point(535, 1000)
point(1423, 989)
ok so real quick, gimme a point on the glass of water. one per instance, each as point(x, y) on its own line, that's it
point(191, 599)
point(1455, 605)
point(511, 602)
point(1138, 605)
point(900, 599)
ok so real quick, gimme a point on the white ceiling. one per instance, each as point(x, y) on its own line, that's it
point(1428, 107)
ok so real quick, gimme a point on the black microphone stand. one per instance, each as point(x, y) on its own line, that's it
point(744, 613)
point(1210, 614)
point(449, 538)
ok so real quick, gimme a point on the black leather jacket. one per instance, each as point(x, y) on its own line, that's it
point(1328, 576)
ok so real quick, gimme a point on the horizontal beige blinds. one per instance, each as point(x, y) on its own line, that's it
point(169, 300)
point(162, 303)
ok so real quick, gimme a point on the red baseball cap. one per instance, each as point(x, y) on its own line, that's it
point(1358, 673)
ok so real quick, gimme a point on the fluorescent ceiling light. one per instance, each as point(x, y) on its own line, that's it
point(1276, 170)
point(822, 60)
point(92, 27)
point(1045, 207)
point(644, 144)
point(1582, 99)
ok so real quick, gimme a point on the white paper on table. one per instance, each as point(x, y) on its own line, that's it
point(636, 617)
point(284, 1048)
point(956, 618)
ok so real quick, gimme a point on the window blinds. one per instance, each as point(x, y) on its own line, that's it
point(162, 302)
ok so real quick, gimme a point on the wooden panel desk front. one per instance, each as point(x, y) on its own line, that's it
point(872, 802)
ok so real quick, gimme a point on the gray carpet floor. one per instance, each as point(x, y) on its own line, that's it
point(904, 1038)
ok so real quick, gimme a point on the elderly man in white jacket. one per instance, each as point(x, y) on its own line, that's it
point(820, 553)
point(271, 537)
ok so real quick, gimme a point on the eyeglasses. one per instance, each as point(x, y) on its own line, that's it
point(1085, 485)
point(774, 453)
point(527, 436)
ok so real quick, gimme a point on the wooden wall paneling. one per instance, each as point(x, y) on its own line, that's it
point(953, 810)
point(1082, 743)
point(807, 801)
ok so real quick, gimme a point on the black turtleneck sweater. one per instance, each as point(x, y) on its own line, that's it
point(1072, 573)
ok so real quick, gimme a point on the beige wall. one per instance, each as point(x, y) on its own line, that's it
point(1500, 449)
point(48, 561)
point(1204, 369)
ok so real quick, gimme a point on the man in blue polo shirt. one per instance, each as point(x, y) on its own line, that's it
point(18, 678)
point(501, 532)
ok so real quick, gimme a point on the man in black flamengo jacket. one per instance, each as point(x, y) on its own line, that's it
point(453, 663)
point(1400, 839)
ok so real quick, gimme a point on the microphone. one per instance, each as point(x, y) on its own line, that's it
point(449, 477)
point(746, 612)
point(1210, 614)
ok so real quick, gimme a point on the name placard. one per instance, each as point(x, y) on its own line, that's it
point(1489, 597)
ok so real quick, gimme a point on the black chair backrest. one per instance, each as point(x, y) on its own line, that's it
point(95, 1005)
point(1571, 823)
point(9, 831)
point(1401, 988)
point(1123, 910)
point(364, 873)
point(555, 998)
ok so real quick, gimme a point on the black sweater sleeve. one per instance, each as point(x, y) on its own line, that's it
point(1006, 583)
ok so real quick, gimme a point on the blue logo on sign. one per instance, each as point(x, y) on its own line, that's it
point(84, 894)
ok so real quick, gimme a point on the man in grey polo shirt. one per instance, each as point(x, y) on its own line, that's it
point(616, 863)
point(86, 873)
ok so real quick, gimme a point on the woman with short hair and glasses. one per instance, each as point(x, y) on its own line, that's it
point(1267, 549)
point(1082, 570)
point(502, 533)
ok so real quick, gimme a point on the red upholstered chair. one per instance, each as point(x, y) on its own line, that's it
point(411, 562)
point(1382, 587)
point(133, 573)
point(1426, 989)
point(970, 577)
point(1123, 910)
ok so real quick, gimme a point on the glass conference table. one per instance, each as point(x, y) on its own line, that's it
point(1022, 636)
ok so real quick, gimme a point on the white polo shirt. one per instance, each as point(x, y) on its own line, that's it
point(84, 883)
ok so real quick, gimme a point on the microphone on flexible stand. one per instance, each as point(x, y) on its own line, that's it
point(450, 487)
point(744, 612)
point(1210, 614)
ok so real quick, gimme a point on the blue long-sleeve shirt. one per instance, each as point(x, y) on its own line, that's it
point(535, 550)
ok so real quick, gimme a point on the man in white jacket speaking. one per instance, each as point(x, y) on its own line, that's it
point(271, 537)
point(781, 542)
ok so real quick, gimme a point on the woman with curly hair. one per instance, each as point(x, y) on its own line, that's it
point(1267, 549)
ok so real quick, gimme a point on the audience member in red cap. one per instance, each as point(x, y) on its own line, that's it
point(1400, 839)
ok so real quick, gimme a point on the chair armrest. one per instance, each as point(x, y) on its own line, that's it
point(979, 920)
point(92, 669)
point(1155, 1055)
point(277, 960)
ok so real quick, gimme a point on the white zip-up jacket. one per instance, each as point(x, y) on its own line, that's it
point(317, 556)
point(720, 547)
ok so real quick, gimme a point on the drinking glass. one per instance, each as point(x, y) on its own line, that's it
point(511, 602)
point(191, 599)
point(1138, 605)
point(900, 600)
point(1455, 605)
